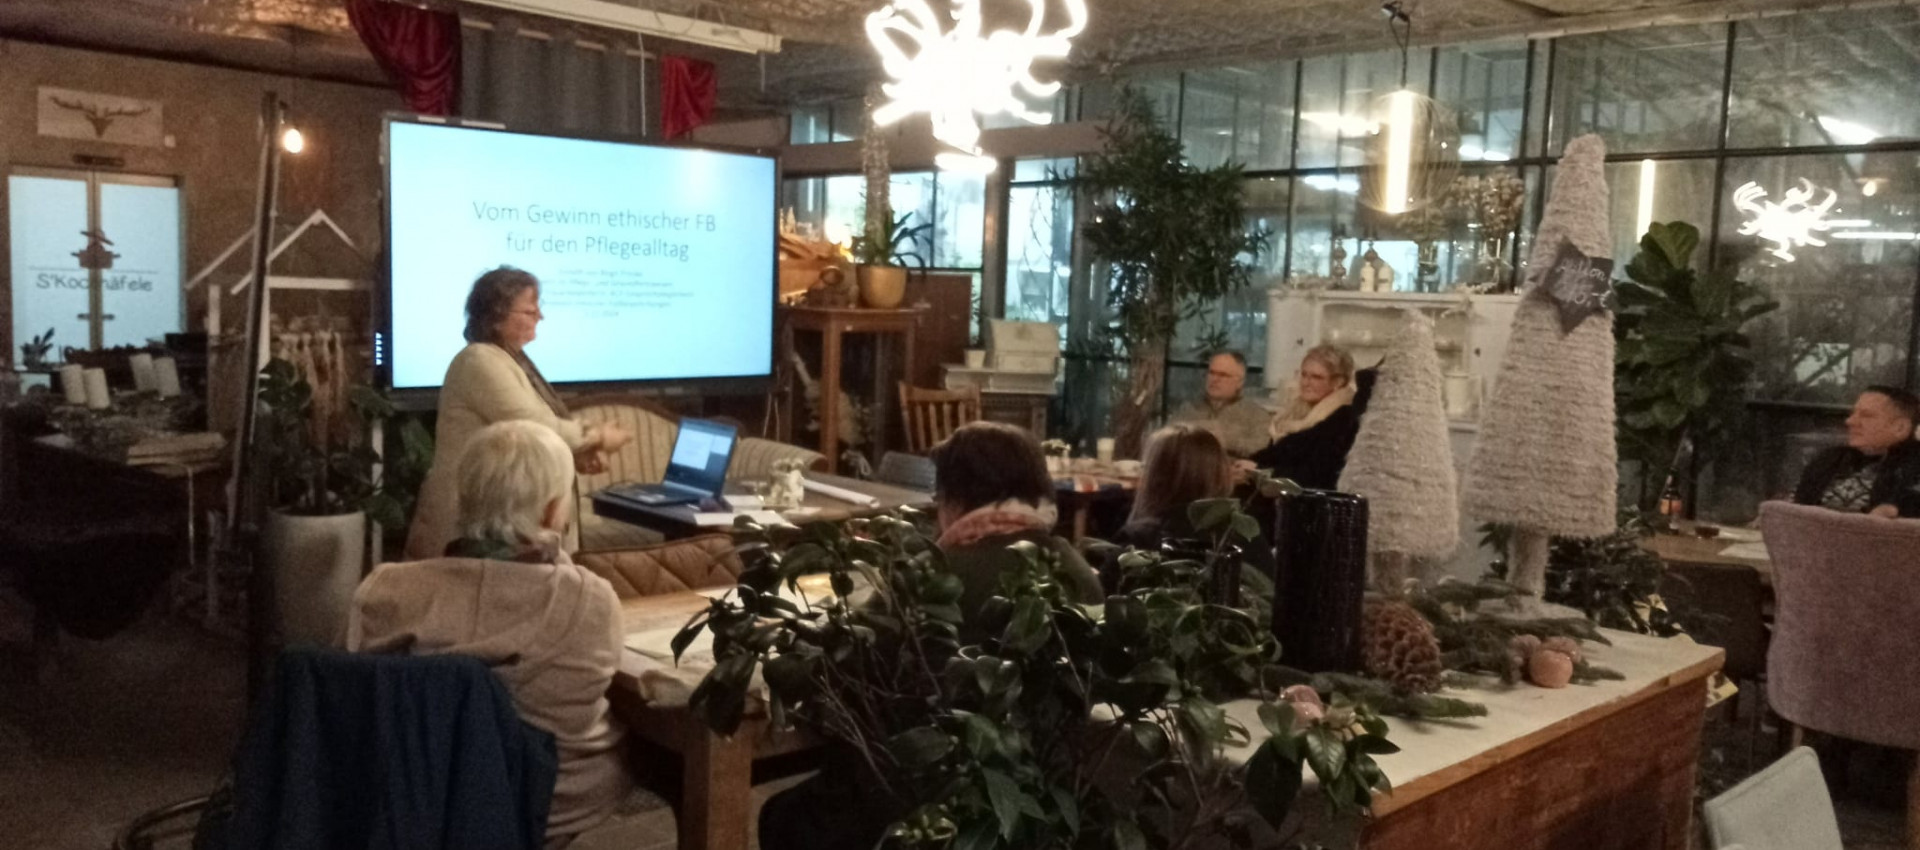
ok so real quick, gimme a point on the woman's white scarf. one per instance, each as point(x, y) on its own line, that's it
point(1298, 417)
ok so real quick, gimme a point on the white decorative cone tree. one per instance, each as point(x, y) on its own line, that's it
point(1545, 459)
point(1402, 463)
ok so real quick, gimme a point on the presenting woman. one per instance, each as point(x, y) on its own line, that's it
point(1312, 435)
point(491, 380)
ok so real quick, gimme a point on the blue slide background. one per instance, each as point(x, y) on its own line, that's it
point(607, 319)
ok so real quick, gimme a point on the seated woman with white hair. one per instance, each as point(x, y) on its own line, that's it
point(508, 595)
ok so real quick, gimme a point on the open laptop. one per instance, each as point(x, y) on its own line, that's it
point(696, 471)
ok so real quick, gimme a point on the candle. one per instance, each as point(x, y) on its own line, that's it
point(73, 382)
point(143, 378)
point(1103, 449)
point(167, 377)
point(97, 397)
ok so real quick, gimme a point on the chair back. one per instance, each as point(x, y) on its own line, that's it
point(1846, 588)
point(707, 560)
point(933, 415)
point(1783, 807)
point(914, 472)
point(371, 751)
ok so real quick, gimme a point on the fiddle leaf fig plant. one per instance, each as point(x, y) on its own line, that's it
point(1682, 357)
point(1032, 722)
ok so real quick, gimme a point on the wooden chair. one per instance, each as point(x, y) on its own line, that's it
point(932, 415)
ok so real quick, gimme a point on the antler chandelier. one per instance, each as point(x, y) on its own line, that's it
point(956, 73)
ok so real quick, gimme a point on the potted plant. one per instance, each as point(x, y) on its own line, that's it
point(1173, 239)
point(882, 253)
point(1683, 361)
point(33, 355)
point(319, 497)
point(1007, 727)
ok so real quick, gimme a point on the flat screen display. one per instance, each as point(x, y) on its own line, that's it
point(655, 263)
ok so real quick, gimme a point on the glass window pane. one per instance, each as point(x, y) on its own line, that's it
point(1031, 170)
point(50, 290)
point(1242, 115)
point(1486, 86)
point(1323, 204)
point(1642, 90)
point(1826, 79)
point(960, 225)
point(1339, 98)
point(1649, 191)
point(1049, 109)
point(848, 115)
point(1846, 315)
point(142, 290)
point(807, 125)
point(1039, 253)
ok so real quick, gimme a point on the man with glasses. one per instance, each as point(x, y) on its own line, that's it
point(1240, 423)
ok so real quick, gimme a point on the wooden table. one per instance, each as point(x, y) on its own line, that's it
point(676, 521)
point(716, 773)
point(1683, 546)
point(832, 323)
point(1076, 494)
point(1607, 766)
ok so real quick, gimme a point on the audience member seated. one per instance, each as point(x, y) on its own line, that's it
point(1240, 423)
point(991, 490)
point(1878, 470)
point(507, 594)
point(1312, 434)
point(1184, 464)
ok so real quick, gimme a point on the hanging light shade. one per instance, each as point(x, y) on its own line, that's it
point(1413, 154)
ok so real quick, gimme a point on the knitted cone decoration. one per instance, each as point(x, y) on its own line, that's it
point(1545, 461)
point(1401, 461)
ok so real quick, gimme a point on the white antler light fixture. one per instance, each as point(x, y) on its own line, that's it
point(956, 73)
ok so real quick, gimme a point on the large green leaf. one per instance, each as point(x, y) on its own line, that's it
point(920, 747)
point(1273, 783)
point(1675, 242)
point(1031, 625)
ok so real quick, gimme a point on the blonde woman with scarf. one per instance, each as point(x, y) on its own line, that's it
point(992, 490)
point(492, 380)
point(1312, 434)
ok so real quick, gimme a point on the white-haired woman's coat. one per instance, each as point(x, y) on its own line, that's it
point(484, 385)
point(551, 632)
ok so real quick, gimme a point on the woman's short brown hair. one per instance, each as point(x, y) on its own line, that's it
point(491, 299)
point(987, 462)
point(1183, 464)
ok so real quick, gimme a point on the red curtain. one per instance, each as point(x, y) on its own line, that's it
point(418, 48)
point(688, 88)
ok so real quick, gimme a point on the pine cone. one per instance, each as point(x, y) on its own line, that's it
point(1398, 645)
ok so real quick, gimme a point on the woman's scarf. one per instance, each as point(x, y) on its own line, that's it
point(1008, 516)
point(540, 385)
point(1299, 417)
point(547, 551)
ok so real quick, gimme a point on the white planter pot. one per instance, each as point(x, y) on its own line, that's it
point(315, 563)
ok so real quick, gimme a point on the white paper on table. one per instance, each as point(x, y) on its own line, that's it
point(746, 503)
point(1756, 551)
point(726, 518)
point(840, 493)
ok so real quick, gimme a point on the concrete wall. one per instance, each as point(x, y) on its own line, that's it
point(211, 114)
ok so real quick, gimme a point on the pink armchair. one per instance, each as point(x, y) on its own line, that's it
point(1845, 657)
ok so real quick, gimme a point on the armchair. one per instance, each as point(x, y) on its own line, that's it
point(1842, 659)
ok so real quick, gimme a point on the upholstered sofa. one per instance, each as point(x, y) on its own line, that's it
point(603, 541)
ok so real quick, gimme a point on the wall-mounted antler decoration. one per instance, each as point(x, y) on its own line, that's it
point(101, 117)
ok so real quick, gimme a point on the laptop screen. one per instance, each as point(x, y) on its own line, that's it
point(701, 454)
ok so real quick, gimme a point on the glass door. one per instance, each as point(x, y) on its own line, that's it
point(96, 257)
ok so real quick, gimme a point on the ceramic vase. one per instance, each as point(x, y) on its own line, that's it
point(883, 287)
point(314, 564)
